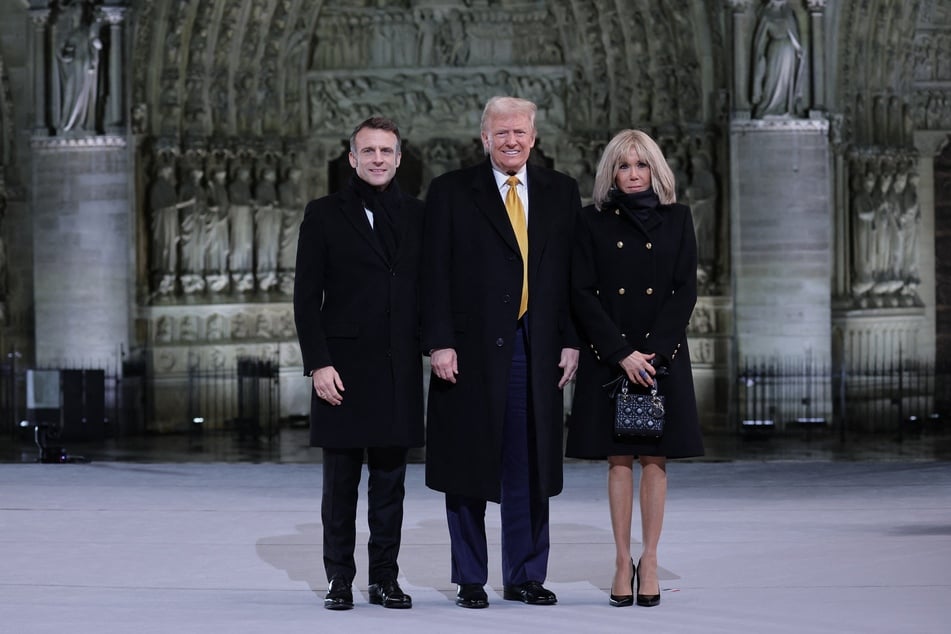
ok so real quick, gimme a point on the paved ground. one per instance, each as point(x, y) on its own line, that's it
point(749, 546)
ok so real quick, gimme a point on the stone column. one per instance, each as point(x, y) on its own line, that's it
point(741, 63)
point(40, 19)
point(818, 55)
point(115, 104)
point(82, 268)
point(782, 242)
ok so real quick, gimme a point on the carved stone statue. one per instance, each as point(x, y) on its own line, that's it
point(194, 217)
point(241, 221)
point(777, 61)
point(267, 228)
point(883, 229)
point(217, 240)
point(702, 194)
point(163, 202)
point(909, 228)
point(292, 210)
point(76, 54)
point(863, 217)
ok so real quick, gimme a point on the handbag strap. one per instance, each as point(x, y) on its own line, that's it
point(621, 384)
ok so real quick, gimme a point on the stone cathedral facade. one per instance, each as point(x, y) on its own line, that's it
point(156, 157)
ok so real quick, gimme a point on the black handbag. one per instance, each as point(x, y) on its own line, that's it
point(637, 415)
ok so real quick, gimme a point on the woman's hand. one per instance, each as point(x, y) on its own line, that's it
point(637, 366)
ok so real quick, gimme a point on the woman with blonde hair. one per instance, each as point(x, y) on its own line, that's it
point(634, 286)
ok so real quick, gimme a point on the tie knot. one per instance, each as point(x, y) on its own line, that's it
point(512, 181)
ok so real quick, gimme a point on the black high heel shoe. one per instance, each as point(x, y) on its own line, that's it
point(624, 600)
point(646, 600)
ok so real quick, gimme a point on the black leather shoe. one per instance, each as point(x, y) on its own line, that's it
point(624, 600)
point(646, 600)
point(389, 594)
point(339, 596)
point(530, 592)
point(471, 595)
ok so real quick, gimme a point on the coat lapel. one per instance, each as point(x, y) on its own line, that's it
point(352, 209)
point(486, 196)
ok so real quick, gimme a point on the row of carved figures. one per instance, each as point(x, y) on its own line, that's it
point(886, 223)
point(224, 228)
point(431, 37)
point(221, 328)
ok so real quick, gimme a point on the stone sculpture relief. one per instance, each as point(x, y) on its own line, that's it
point(885, 225)
point(229, 227)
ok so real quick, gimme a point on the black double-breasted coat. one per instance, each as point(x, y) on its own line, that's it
point(471, 286)
point(359, 312)
point(634, 287)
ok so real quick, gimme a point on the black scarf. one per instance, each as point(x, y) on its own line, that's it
point(638, 206)
point(385, 206)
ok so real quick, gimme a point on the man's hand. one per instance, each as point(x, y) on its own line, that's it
point(328, 385)
point(444, 363)
point(569, 363)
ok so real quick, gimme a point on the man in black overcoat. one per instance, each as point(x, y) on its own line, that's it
point(495, 421)
point(356, 307)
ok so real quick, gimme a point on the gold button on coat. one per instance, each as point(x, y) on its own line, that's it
point(650, 291)
point(620, 291)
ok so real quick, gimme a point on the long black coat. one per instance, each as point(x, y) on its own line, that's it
point(634, 286)
point(471, 286)
point(358, 312)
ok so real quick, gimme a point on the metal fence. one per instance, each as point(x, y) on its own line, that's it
point(102, 402)
point(243, 399)
point(882, 395)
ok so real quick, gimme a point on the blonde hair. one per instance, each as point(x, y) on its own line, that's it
point(647, 150)
point(508, 105)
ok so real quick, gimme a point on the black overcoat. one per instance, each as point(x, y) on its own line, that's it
point(471, 286)
point(359, 312)
point(634, 286)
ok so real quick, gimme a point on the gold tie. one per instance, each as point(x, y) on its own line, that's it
point(513, 205)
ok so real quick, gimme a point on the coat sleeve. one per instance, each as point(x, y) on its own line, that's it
point(593, 320)
point(309, 292)
point(670, 325)
point(436, 269)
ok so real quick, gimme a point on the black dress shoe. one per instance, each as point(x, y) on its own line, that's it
point(472, 595)
point(389, 594)
point(624, 600)
point(530, 592)
point(339, 596)
point(646, 600)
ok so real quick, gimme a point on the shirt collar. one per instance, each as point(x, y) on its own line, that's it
point(501, 177)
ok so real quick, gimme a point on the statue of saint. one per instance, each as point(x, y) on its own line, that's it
point(163, 202)
point(267, 228)
point(194, 201)
point(241, 222)
point(76, 52)
point(777, 61)
point(863, 218)
point(217, 231)
point(292, 210)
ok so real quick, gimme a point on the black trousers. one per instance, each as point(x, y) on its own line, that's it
point(338, 510)
point(524, 511)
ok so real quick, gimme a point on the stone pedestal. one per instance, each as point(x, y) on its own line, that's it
point(781, 224)
point(81, 255)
